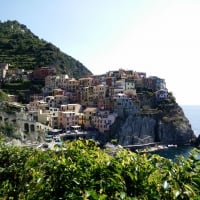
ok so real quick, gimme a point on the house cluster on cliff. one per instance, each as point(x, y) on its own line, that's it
point(91, 102)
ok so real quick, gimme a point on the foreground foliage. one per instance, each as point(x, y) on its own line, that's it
point(81, 170)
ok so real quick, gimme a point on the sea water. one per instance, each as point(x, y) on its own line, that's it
point(193, 114)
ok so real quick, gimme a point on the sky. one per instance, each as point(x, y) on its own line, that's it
point(159, 37)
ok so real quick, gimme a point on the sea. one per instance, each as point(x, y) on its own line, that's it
point(192, 112)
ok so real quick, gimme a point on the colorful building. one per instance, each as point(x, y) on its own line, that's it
point(103, 120)
point(89, 114)
point(66, 119)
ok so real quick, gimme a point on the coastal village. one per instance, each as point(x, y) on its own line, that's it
point(68, 105)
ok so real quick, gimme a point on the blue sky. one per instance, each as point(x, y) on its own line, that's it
point(159, 37)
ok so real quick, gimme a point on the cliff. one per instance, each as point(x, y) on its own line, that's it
point(162, 121)
point(198, 142)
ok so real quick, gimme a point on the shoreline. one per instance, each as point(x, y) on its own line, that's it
point(152, 147)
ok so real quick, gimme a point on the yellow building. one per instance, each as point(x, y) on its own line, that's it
point(80, 119)
point(72, 85)
point(85, 82)
point(58, 91)
point(101, 91)
point(44, 118)
point(71, 107)
point(84, 94)
point(89, 114)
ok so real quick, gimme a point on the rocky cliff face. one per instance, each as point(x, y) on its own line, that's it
point(198, 142)
point(165, 123)
point(180, 134)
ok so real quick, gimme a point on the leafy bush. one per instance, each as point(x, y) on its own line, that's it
point(81, 170)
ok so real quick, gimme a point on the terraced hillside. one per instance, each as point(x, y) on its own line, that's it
point(21, 48)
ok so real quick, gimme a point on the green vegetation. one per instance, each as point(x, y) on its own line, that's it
point(84, 171)
point(10, 108)
point(8, 129)
point(24, 89)
point(171, 112)
point(21, 48)
point(3, 96)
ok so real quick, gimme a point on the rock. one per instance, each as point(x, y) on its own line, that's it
point(170, 133)
point(137, 130)
point(168, 127)
point(197, 143)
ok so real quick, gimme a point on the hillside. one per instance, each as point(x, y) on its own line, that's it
point(21, 48)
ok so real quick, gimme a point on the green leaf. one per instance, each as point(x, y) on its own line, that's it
point(122, 195)
point(165, 185)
